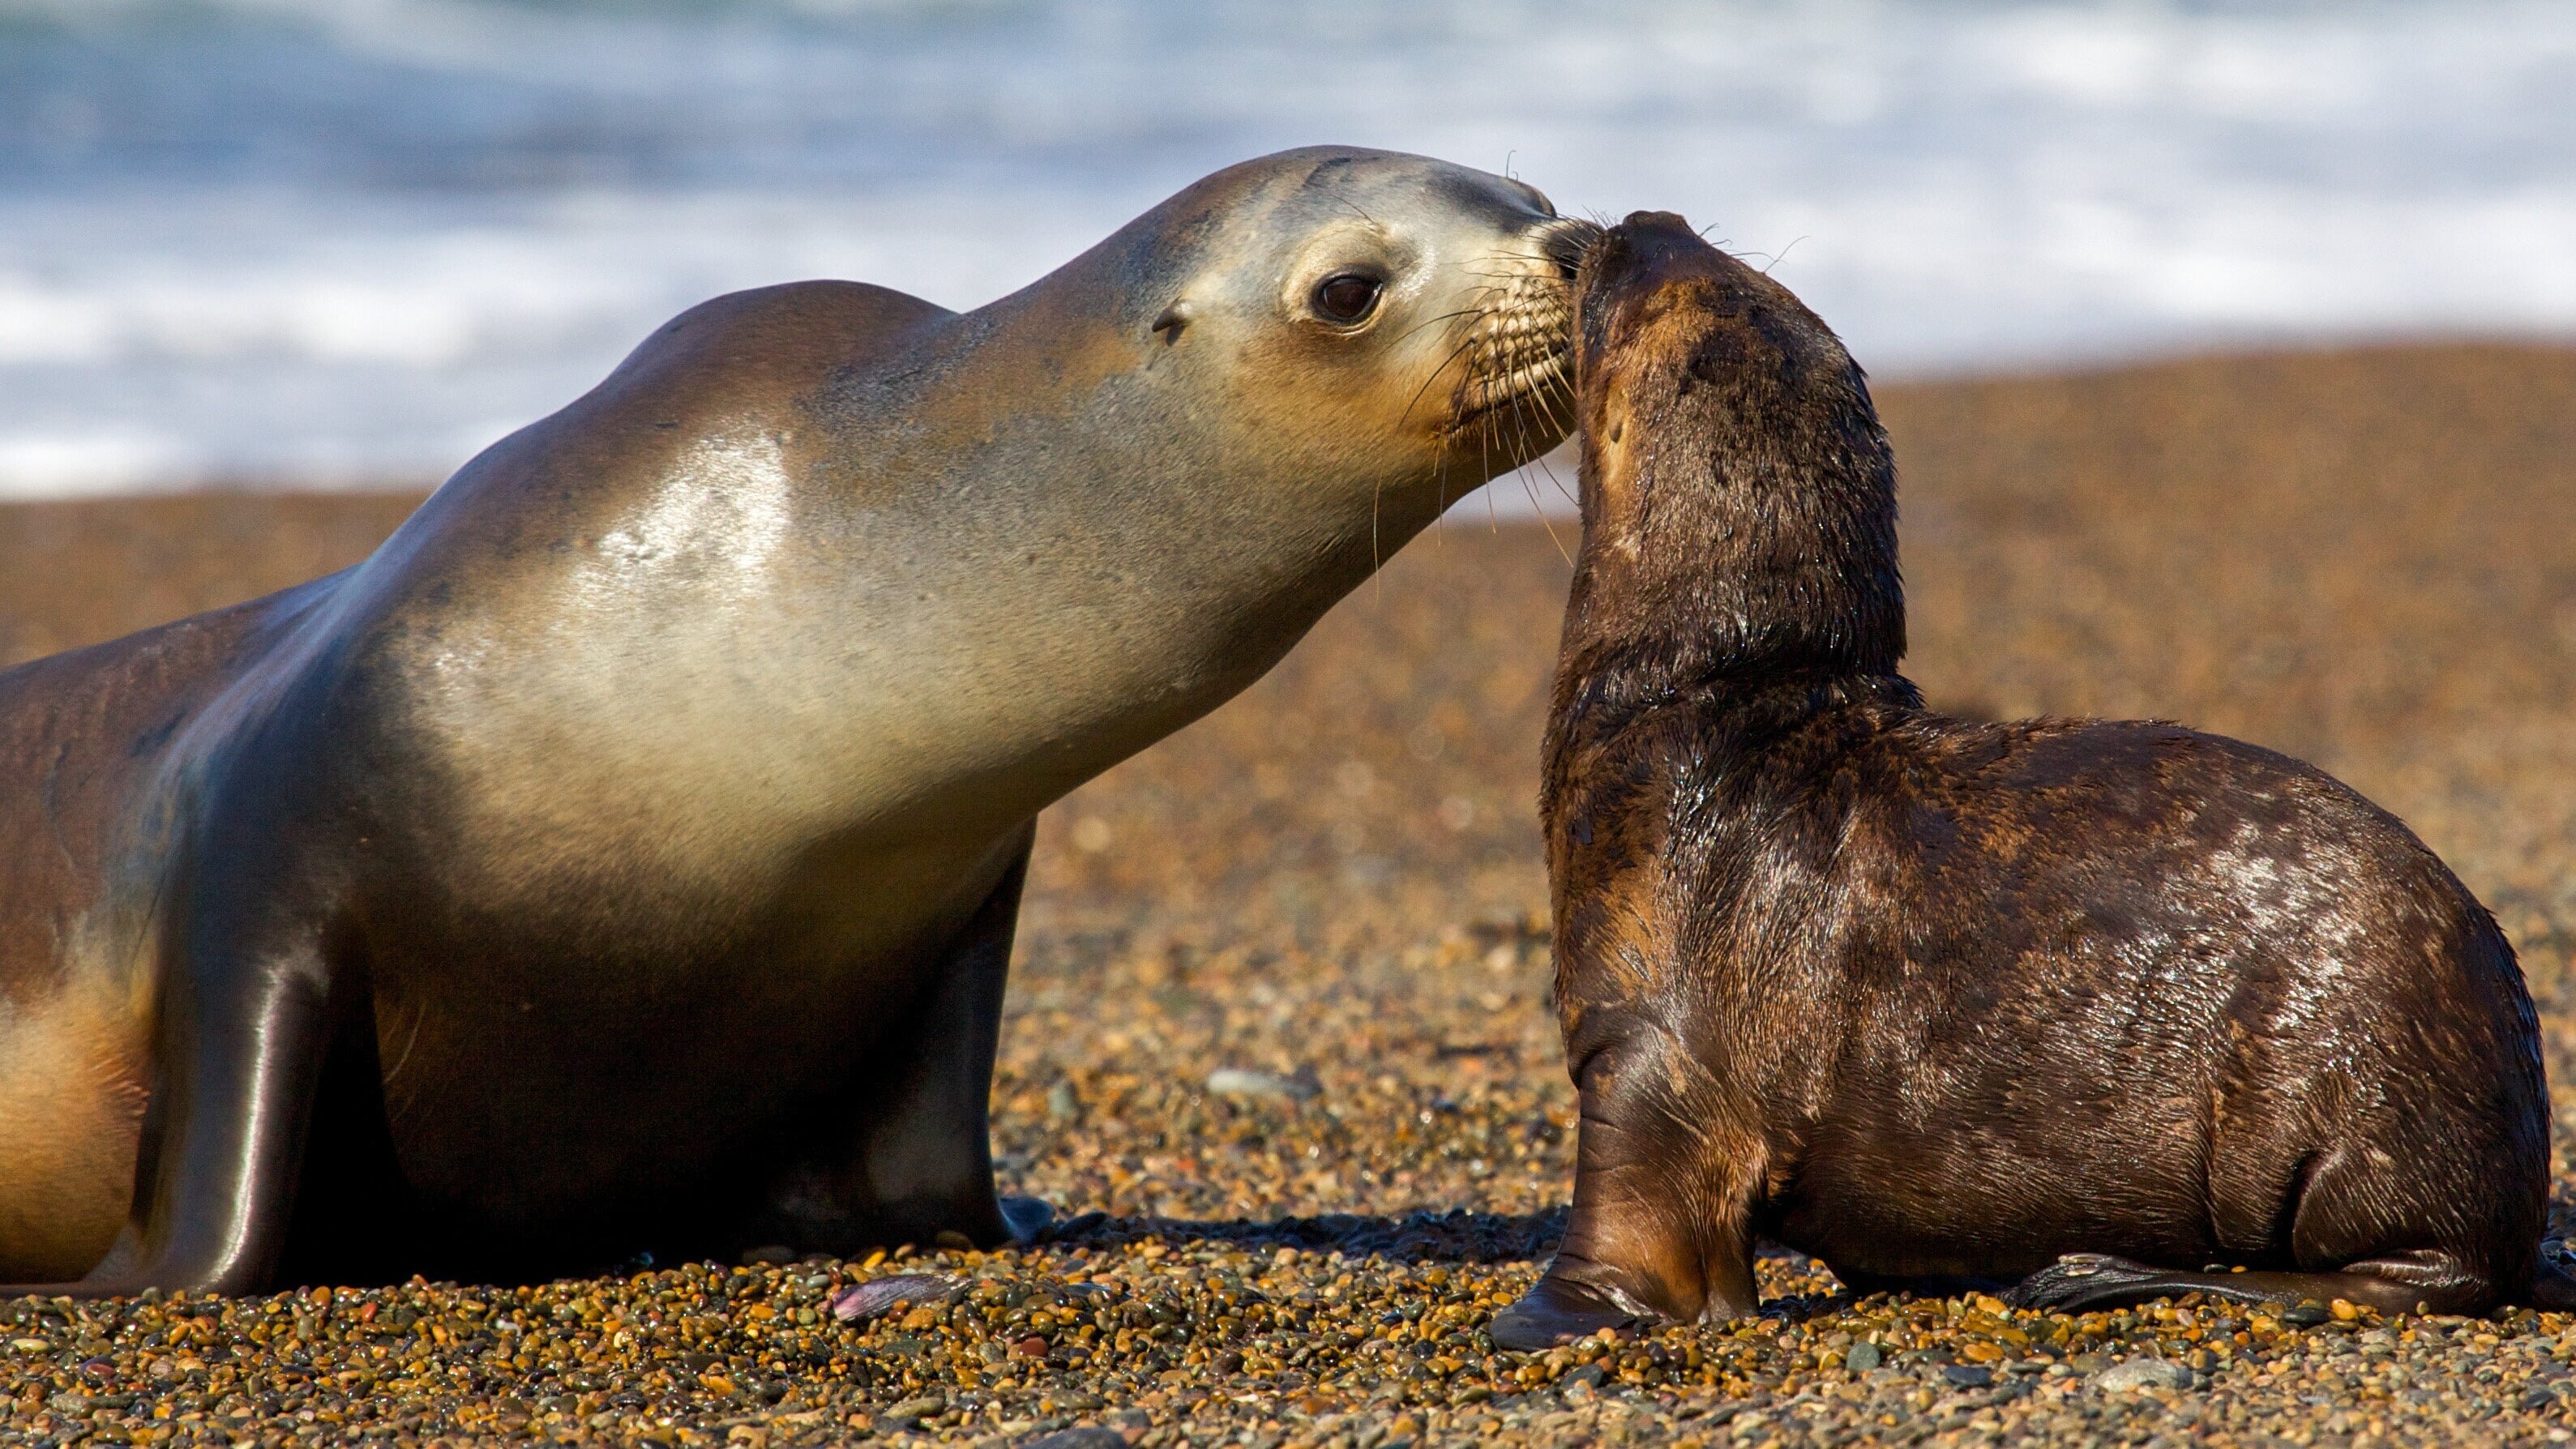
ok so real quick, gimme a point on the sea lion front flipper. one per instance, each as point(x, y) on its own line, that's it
point(928, 1154)
point(1560, 1310)
point(915, 1158)
point(1663, 1195)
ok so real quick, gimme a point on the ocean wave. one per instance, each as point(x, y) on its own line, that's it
point(315, 238)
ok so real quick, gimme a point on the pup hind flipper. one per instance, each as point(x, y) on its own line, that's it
point(2553, 1288)
point(2426, 1283)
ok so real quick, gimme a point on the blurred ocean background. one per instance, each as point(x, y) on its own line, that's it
point(347, 243)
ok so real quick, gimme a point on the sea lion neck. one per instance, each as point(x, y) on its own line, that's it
point(1739, 495)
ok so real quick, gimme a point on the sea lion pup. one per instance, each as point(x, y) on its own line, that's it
point(625, 856)
point(1939, 1001)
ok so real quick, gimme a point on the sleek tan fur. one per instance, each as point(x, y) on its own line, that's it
point(625, 856)
point(73, 1075)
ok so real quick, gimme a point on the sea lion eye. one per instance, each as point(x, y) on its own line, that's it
point(1347, 297)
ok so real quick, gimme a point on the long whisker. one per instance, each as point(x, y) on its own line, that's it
point(1436, 372)
point(1541, 510)
point(1509, 366)
point(1548, 400)
point(1540, 461)
point(1377, 494)
point(1565, 427)
point(1479, 313)
point(1559, 483)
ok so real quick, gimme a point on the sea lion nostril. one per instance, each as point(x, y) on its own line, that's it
point(1567, 243)
point(1657, 220)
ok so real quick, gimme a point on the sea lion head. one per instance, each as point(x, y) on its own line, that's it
point(1729, 448)
point(1388, 325)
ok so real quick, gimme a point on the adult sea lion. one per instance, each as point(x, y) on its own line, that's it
point(1941, 1002)
point(626, 854)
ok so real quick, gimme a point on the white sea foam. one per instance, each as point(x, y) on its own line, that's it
point(335, 240)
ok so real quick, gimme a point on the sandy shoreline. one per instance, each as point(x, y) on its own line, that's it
point(2367, 559)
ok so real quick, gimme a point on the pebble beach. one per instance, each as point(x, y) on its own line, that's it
point(1279, 1050)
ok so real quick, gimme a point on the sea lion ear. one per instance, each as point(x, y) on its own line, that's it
point(1609, 465)
point(1173, 319)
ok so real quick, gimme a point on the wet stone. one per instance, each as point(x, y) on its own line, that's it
point(1303, 1086)
point(879, 1296)
point(2142, 1373)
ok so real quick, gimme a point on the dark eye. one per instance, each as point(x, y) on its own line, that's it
point(1347, 297)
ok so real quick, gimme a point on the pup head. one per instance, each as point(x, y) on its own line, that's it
point(1737, 489)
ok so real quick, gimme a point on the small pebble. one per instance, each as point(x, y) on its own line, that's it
point(2142, 1373)
point(1239, 1082)
point(881, 1295)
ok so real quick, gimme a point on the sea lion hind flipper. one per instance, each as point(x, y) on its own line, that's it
point(2553, 1290)
point(1027, 1218)
point(2078, 1281)
point(243, 1040)
point(2414, 1283)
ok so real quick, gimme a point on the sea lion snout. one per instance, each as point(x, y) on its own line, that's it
point(1567, 241)
point(1654, 288)
point(1516, 347)
point(1640, 257)
point(1724, 364)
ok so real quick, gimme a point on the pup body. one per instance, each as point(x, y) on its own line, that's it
point(2086, 1005)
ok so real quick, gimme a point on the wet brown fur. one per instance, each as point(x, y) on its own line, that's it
point(1941, 1001)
